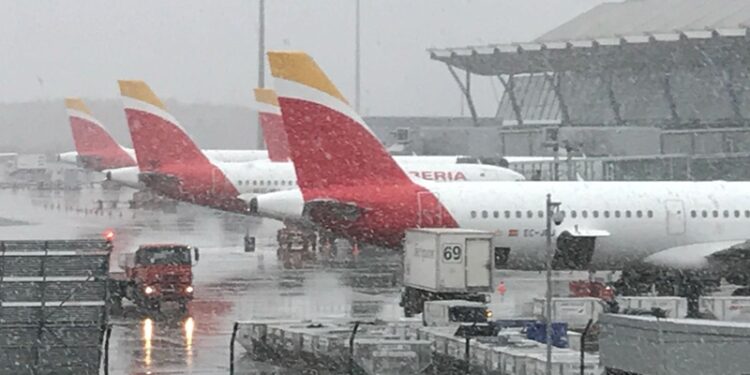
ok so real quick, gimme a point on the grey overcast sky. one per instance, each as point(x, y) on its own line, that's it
point(206, 50)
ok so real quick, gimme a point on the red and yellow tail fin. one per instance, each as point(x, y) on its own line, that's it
point(269, 118)
point(95, 146)
point(329, 142)
point(158, 138)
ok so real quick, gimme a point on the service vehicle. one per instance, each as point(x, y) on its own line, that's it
point(445, 264)
point(296, 247)
point(154, 274)
point(589, 288)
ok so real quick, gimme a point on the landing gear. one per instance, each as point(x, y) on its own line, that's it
point(296, 246)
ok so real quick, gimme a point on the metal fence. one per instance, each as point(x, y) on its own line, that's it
point(53, 310)
point(680, 167)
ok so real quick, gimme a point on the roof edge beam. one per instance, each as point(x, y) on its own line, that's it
point(669, 97)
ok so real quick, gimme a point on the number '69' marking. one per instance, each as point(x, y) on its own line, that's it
point(452, 253)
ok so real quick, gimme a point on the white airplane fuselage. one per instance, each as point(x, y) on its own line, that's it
point(263, 176)
point(630, 220)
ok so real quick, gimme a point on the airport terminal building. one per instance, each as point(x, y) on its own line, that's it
point(646, 82)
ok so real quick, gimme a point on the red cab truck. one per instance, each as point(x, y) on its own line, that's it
point(154, 274)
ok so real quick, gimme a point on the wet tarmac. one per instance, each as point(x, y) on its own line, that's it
point(230, 285)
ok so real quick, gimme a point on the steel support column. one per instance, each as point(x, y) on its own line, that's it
point(734, 100)
point(509, 86)
point(555, 80)
point(259, 140)
point(608, 77)
point(466, 90)
point(667, 86)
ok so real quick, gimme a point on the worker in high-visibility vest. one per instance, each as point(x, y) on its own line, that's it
point(501, 289)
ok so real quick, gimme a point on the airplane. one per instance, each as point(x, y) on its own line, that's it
point(172, 165)
point(96, 149)
point(269, 119)
point(356, 190)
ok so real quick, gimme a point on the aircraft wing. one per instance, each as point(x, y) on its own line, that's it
point(700, 255)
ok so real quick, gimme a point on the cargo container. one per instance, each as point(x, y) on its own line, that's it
point(675, 307)
point(733, 309)
point(444, 263)
point(564, 363)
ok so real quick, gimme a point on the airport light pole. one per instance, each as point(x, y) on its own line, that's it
point(261, 59)
point(553, 213)
point(357, 70)
point(553, 142)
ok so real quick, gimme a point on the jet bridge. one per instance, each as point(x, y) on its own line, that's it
point(53, 310)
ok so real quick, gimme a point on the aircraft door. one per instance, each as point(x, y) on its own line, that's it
point(675, 217)
point(430, 211)
point(477, 260)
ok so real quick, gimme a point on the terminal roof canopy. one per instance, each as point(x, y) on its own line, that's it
point(639, 17)
point(614, 34)
point(650, 62)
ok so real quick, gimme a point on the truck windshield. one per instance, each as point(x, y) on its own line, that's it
point(467, 314)
point(163, 255)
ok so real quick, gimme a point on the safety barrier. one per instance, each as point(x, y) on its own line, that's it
point(53, 309)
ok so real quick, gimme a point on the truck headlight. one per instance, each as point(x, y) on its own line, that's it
point(148, 290)
point(488, 313)
point(189, 289)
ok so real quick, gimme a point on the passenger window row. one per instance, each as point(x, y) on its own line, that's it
point(715, 213)
point(605, 214)
point(266, 183)
point(573, 214)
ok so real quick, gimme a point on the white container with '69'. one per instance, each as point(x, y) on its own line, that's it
point(444, 263)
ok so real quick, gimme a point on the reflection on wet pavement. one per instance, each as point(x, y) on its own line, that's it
point(230, 285)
